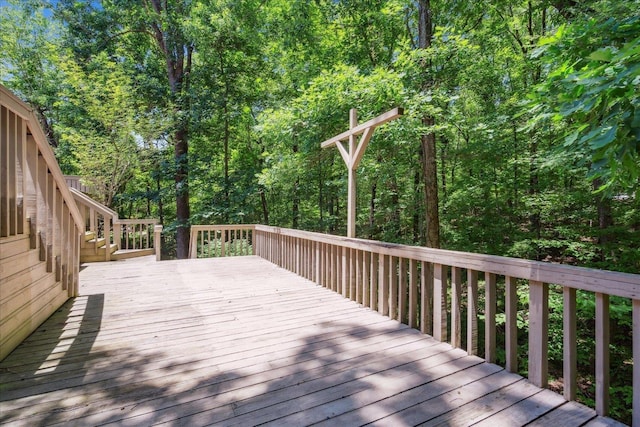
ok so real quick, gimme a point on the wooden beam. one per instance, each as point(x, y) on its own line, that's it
point(375, 122)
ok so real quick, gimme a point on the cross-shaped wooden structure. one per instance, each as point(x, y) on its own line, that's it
point(355, 151)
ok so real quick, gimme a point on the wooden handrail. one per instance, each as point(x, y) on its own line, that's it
point(40, 226)
point(14, 104)
point(589, 279)
point(85, 200)
point(414, 285)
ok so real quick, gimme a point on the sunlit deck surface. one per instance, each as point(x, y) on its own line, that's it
point(239, 341)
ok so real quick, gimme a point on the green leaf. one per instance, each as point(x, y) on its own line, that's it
point(604, 138)
point(603, 55)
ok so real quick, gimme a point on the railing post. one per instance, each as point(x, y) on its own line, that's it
point(107, 237)
point(569, 343)
point(117, 234)
point(157, 241)
point(636, 362)
point(538, 332)
point(602, 354)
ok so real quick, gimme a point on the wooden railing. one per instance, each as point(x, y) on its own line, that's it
point(103, 223)
point(134, 234)
point(423, 288)
point(40, 226)
point(208, 241)
point(98, 220)
point(74, 181)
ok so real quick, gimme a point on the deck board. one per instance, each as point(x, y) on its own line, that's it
point(239, 341)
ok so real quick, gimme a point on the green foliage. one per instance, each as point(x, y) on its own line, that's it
point(592, 88)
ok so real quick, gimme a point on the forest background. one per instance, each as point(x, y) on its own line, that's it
point(520, 135)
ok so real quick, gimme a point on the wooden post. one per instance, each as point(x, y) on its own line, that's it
point(353, 155)
point(569, 343)
point(472, 312)
point(636, 362)
point(538, 332)
point(511, 332)
point(351, 196)
point(602, 354)
point(157, 236)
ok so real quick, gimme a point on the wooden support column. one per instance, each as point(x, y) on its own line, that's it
point(352, 155)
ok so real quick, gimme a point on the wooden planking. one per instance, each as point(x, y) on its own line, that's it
point(238, 341)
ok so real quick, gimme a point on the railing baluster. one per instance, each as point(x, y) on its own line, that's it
point(491, 304)
point(358, 276)
point(383, 285)
point(426, 300)
point(413, 293)
point(344, 268)
point(393, 287)
point(602, 354)
point(472, 312)
point(538, 332)
point(402, 291)
point(440, 302)
point(456, 303)
point(511, 326)
point(373, 284)
point(569, 343)
point(366, 278)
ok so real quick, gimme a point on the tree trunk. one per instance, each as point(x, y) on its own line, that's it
point(372, 212)
point(428, 141)
point(416, 209)
point(431, 186)
point(296, 198)
point(225, 139)
point(178, 55)
point(265, 210)
point(183, 211)
point(605, 216)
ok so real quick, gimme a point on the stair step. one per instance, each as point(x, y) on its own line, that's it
point(99, 243)
point(90, 254)
point(131, 253)
point(89, 235)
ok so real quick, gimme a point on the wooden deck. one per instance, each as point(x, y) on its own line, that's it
point(239, 341)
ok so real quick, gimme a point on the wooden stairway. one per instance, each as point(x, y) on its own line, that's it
point(108, 238)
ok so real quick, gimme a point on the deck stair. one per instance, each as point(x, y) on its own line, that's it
point(109, 238)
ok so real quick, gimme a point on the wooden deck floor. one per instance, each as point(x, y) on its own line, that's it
point(239, 341)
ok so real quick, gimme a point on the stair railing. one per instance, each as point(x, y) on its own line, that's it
point(98, 220)
point(40, 226)
point(103, 223)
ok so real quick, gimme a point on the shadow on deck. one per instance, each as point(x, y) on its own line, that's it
point(239, 341)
